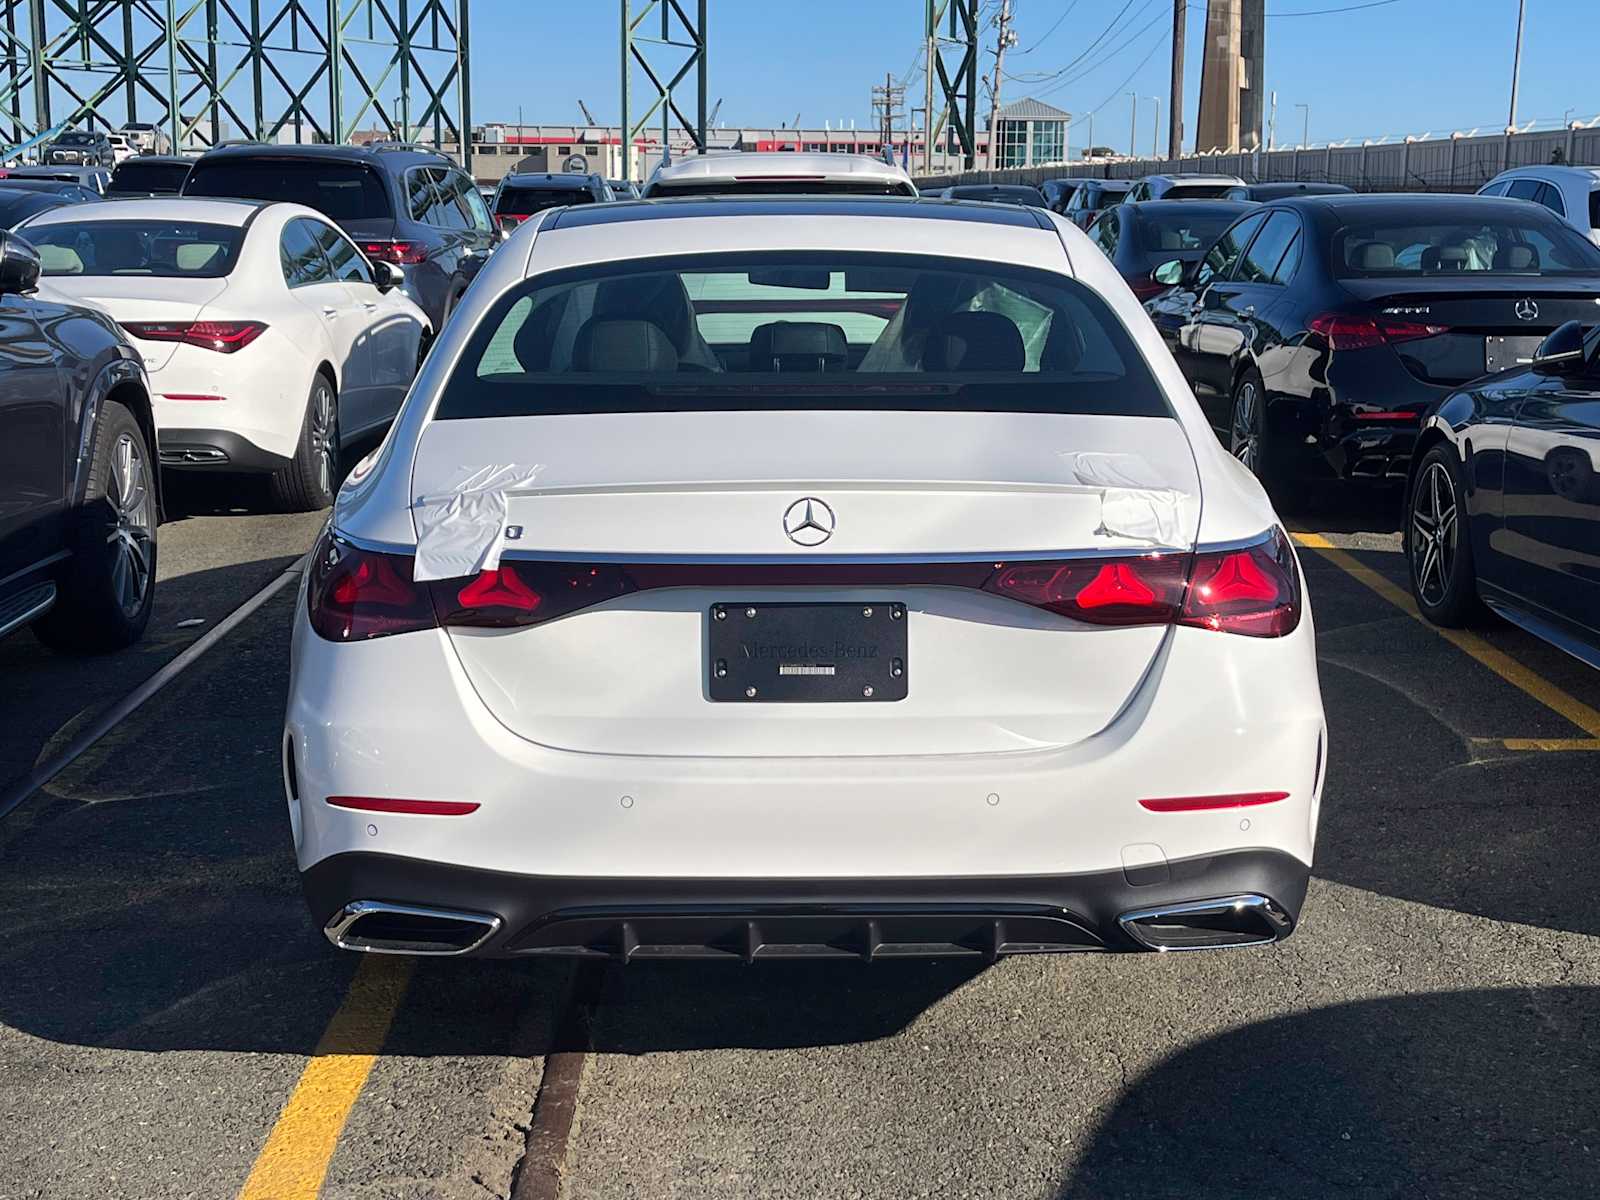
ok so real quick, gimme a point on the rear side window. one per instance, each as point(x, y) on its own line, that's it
point(1260, 262)
point(1594, 209)
point(339, 191)
point(1106, 231)
point(1221, 259)
point(1551, 198)
point(345, 260)
point(301, 255)
point(813, 331)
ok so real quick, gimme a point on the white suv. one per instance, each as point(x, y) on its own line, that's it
point(1572, 193)
point(778, 173)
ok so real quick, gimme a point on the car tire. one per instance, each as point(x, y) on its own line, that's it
point(310, 479)
point(108, 588)
point(1247, 427)
point(1438, 550)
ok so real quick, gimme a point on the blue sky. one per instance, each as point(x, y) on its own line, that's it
point(1409, 66)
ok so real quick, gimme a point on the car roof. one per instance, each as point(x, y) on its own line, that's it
point(1407, 206)
point(377, 152)
point(535, 180)
point(169, 208)
point(773, 164)
point(1550, 171)
point(1111, 185)
point(889, 207)
point(162, 160)
point(1216, 207)
point(1197, 178)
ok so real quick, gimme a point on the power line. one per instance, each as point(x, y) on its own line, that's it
point(1064, 14)
point(1117, 91)
point(1107, 57)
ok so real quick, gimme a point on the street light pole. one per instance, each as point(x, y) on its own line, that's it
point(1516, 66)
point(1305, 129)
point(1155, 136)
point(1133, 126)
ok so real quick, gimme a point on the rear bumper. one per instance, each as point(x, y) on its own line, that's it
point(1261, 893)
point(215, 450)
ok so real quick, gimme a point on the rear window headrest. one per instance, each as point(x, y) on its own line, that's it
point(796, 346)
point(1370, 256)
point(975, 341)
point(623, 344)
point(1444, 258)
point(1520, 257)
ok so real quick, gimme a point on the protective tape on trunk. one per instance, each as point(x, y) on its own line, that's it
point(1135, 502)
point(463, 531)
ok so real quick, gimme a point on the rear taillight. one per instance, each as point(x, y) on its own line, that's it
point(395, 250)
point(1146, 288)
point(1254, 590)
point(510, 221)
point(1122, 591)
point(1352, 331)
point(222, 336)
point(353, 595)
point(527, 593)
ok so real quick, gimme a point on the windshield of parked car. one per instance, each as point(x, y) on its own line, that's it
point(774, 331)
point(1001, 194)
point(525, 201)
point(137, 177)
point(1165, 232)
point(341, 191)
point(76, 139)
point(1530, 244)
point(165, 249)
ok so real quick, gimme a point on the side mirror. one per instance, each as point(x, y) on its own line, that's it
point(1169, 273)
point(19, 267)
point(388, 276)
point(1562, 353)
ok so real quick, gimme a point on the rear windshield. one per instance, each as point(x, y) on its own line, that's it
point(783, 187)
point(1530, 244)
point(1177, 232)
point(1000, 195)
point(339, 191)
point(524, 202)
point(167, 249)
point(1098, 198)
point(1199, 191)
point(147, 177)
point(810, 331)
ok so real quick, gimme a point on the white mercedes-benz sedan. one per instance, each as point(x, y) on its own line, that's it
point(813, 576)
point(270, 340)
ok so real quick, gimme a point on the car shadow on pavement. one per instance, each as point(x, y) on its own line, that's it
point(1480, 1093)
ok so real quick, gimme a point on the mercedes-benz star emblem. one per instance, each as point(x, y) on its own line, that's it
point(808, 521)
point(1527, 310)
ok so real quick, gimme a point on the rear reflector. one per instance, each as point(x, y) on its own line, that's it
point(1171, 804)
point(189, 396)
point(423, 808)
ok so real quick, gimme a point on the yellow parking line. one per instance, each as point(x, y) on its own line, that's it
point(1502, 664)
point(292, 1164)
point(1554, 744)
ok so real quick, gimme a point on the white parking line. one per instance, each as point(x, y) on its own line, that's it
point(117, 713)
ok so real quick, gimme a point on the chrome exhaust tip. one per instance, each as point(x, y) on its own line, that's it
point(378, 927)
point(1244, 920)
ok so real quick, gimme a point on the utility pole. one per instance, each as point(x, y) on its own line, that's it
point(1180, 20)
point(1155, 130)
point(1005, 38)
point(1133, 126)
point(1272, 125)
point(1305, 130)
point(886, 102)
point(1516, 66)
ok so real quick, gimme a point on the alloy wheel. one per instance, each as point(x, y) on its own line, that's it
point(1246, 441)
point(324, 437)
point(128, 493)
point(1433, 533)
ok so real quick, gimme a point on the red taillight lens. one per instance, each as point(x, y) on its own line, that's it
point(1254, 591)
point(1351, 331)
point(527, 593)
point(222, 336)
point(1144, 287)
point(510, 221)
point(1124, 591)
point(395, 250)
point(353, 595)
point(500, 588)
point(1170, 804)
point(420, 808)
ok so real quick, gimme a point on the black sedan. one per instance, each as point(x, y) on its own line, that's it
point(78, 481)
point(1138, 238)
point(18, 204)
point(1504, 504)
point(1318, 331)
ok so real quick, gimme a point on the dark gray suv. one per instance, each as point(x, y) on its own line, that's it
point(401, 204)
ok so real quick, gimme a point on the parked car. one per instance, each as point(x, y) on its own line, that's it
point(1524, 534)
point(79, 493)
point(18, 204)
point(1138, 238)
point(623, 189)
point(1317, 331)
point(121, 148)
point(80, 148)
point(71, 193)
point(1183, 187)
point(271, 342)
point(1572, 193)
point(775, 173)
point(150, 175)
point(1261, 193)
point(521, 196)
point(916, 560)
point(146, 137)
point(409, 207)
point(95, 179)
point(996, 193)
point(1058, 193)
point(1091, 196)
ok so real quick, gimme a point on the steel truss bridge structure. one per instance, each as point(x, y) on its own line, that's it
point(958, 88)
point(206, 71)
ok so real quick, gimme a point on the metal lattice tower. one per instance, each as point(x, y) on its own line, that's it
point(958, 89)
point(690, 35)
point(209, 70)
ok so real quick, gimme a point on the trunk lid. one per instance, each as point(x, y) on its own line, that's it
point(143, 298)
point(985, 673)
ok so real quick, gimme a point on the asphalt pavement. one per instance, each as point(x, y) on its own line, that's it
point(172, 1025)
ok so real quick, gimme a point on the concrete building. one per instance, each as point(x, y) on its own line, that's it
point(1232, 76)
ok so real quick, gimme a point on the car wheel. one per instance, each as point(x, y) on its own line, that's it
point(1247, 427)
point(311, 478)
point(1438, 550)
point(107, 591)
